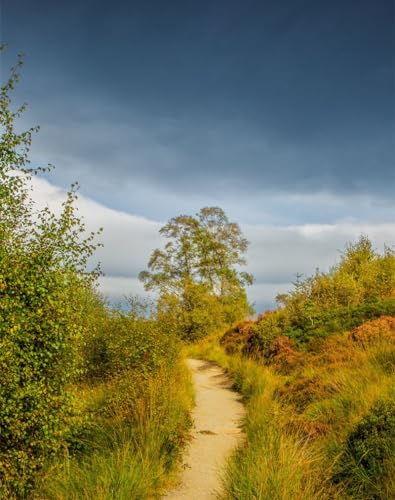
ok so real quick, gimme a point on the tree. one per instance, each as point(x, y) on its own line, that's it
point(197, 272)
point(43, 260)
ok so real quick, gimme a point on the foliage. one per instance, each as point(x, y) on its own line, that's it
point(360, 288)
point(235, 339)
point(139, 425)
point(197, 273)
point(133, 399)
point(43, 260)
point(197, 314)
point(282, 355)
point(302, 407)
point(368, 461)
point(203, 249)
point(269, 326)
point(124, 340)
point(362, 276)
point(383, 327)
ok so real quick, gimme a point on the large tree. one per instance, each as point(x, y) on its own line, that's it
point(198, 271)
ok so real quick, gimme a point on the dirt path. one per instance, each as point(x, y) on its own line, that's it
point(216, 432)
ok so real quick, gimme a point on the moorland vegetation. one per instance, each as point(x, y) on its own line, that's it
point(318, 376)
point(95, 399)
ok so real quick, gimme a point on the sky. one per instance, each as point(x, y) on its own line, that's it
point(280, 112)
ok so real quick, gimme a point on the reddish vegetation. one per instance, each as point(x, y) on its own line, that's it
point(333, 352)
point(283, 355)
point(383, 327)
point(307, 428)
point(304, 391)
point(321, 356)
point(237, 337)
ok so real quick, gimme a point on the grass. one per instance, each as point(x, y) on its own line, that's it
point(296, 427)
point(131, 446)
point(297, 423)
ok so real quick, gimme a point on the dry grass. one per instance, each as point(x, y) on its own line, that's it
point(298, 419)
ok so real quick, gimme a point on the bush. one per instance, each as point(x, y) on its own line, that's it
point(192, 316)
point(382, 328)
point(236, 338)
point(119, 341)
point(368, 462)
point(339, 320)
point(276, 324)
point(267, 328)
point(282, 355)
point(137, 430)
point(42, 265)
point(358, 289)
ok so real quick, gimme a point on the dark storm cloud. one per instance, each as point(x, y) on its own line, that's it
point(255, 96)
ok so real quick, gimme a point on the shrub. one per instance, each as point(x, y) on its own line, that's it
point(267, 328)
point(368, 462)
point(333, 352)
point(340, 319)
point(382, 328)
point(192, 316)
point(282, 355)
point(42, 264)
point(236, 338)
point(138, 427)
point(358, 289)
point(120, 341)
point(321, 325)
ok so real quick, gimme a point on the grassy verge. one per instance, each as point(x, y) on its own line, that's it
point(298, 424)
point(131, 441)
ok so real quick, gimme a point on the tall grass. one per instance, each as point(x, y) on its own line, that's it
point(131, 447)
point(297, 424)
point(272, 463)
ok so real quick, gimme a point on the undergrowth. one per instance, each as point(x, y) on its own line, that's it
point(131, 441)
point(303, 423)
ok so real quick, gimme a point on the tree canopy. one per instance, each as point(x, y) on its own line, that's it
point(199, 268)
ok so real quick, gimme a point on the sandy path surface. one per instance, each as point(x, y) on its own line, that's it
point(216, 432)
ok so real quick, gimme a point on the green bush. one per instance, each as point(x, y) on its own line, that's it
point(358, 289)
point(277, 323)
point(265, 330)
point(42, 265)
point(137, 428)
point(339, 320)
point(193, 316)
point(368, 462)
point(120, 341)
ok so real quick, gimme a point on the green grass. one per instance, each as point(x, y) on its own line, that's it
point(132, 446)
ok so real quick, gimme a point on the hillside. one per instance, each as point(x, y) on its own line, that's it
point(318, 376)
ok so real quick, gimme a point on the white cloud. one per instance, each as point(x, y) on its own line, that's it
point(128, 239)
point(117, 287)
point(276, 253)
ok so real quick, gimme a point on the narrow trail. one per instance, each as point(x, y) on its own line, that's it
point(216, 432)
